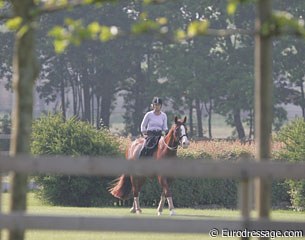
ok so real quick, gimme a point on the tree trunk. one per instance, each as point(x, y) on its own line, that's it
point(139, 93)
point(92, 109)
point(199, 118)
point(105, 109)
point(98, 115)
point(303, 99)
point(138, 110)
point(209, 111)
point(25, 70)
point(238, 124)
point(63, 102)
point(191, 124)
point(86, 94)
point(107, 92)
point(251, 130)
point(80, 108)
point(74, 97)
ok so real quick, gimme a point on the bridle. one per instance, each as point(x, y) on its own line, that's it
point(178, 142)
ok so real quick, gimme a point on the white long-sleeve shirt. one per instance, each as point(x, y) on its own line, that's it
point(153, 122)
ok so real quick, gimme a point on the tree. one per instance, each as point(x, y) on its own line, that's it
point(25, 69)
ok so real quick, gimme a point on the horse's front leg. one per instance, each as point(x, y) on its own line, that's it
point(136, 188)
point(168, 195)
point(133, 208)
point(161, 204)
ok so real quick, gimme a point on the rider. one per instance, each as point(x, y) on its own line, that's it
point(153, 123)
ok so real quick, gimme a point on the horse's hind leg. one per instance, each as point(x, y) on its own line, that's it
point(161, 204)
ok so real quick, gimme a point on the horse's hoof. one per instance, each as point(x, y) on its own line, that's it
point(172, 213)
point(132, 210)
point(159, 213)
point(138, 211)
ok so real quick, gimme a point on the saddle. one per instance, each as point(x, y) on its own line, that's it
point(151, 143)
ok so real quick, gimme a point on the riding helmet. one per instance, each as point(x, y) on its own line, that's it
point(157, 100)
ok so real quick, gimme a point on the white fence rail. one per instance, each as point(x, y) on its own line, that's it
point(169, 167)
point(125, 224)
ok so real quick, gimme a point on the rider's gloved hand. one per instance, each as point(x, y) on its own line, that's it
point(164, 133)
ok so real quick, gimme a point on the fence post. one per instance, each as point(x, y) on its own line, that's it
point(244, 201)
point(0, 201)
point(263, 103)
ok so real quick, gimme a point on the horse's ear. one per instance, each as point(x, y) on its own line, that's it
point(176, 119)
point(184, 120)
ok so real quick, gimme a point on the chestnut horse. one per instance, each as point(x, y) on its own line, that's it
point(167, 147)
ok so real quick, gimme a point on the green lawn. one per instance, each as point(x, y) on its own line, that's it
point(35, 206)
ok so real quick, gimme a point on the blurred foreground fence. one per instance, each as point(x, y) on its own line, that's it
point(243, 171)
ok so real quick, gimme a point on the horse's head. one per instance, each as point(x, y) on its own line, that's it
point(180, 132)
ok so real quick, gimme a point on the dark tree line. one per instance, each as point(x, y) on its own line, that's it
point(198, 77)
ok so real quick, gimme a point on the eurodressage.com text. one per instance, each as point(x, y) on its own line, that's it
point(246, 233)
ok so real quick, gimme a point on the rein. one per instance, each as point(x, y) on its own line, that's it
point(169, 147)
point(176, 147)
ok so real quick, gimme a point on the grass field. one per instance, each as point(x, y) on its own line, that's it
point(36, 207)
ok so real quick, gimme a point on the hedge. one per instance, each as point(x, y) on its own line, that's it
point(293, 136)
point(52, 135)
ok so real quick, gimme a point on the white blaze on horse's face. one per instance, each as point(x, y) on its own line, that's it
point(184, 140)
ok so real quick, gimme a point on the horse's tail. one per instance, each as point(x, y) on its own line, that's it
point(121, 187)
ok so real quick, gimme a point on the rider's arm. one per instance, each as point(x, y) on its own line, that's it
point(144, 124)
point(164, 127)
